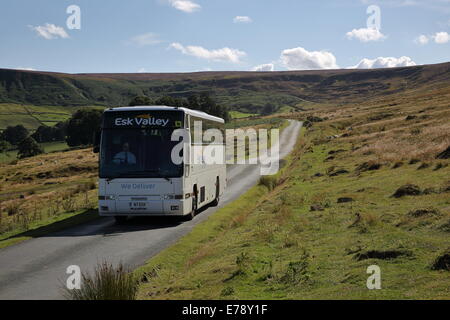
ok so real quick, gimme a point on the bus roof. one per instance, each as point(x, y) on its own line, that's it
point(195, 113)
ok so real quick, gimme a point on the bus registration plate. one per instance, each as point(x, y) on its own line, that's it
point(138, 205)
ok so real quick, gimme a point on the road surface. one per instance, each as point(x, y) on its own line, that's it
point(36, 269)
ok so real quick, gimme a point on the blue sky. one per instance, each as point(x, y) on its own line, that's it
point(201, 35)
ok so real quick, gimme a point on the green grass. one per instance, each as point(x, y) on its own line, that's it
point(39, 193)
point(6, 157)
point(31, 116)
point(244, 122)
point(109, 282)
point(49, 225)
point(239, 115)
point(54, 146)
point(183, 256)
point(277, 248)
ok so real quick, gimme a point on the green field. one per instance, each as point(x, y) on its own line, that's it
point(277, 248)
point(48, 147)
point(335, 209)
point(31, 117)
point(240, 115)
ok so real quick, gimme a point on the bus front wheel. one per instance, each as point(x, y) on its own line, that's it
point(120, 219)
point(215, 202)
point(191, 215)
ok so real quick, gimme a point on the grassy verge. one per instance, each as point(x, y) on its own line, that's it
point(331, 215)
point(43, 227)
point(197, 246)
point(204, 242)
point(45, 191)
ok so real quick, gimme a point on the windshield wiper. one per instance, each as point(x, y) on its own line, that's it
point(152, 171)
point(115, 177)
point(137, 173)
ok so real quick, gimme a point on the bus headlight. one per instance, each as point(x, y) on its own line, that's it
point(173, 196)
point(108, 197)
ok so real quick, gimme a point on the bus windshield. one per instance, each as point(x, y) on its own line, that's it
point(138, 152)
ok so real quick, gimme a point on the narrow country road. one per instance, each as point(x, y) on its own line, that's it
point(36, 269)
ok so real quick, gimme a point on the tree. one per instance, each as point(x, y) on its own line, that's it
point(14, 134)
point(61, 130)
point(205, 103)
point(268, 109)
point(140, 101)
point(202, 102)
point(48, 134)
point(82, 125)
point(28, 147)
point(171, 102)
point(4, 146)
point(43, 134)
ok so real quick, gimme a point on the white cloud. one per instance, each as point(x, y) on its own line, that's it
point(301, 59)
point(366, 34)
point(395, 3)
point(441, 37)
point(384, 62)
point(185, 5)
point(422, 40)
point(145, 39)
point(142, 70)
point(264, 67)
point(50, 31)
point(437, 5)
point(242, 19)
point(224, 54)
point(25, 69)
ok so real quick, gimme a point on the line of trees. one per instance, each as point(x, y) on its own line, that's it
point(49, 134)
point(80, 128)
point(202, 102)
point(18, 137)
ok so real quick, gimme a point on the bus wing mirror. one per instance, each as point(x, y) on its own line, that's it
point(96, 141)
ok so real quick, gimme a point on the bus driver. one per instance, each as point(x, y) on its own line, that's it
point(125, 156)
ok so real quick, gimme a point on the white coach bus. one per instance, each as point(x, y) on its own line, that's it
point(137, 176)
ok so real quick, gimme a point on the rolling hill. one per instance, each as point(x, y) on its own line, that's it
point(243, 91)
point(367, 184)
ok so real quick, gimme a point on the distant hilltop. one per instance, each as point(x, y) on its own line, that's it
point(236, 89)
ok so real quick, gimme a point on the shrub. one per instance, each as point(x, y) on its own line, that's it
point(107, 283)
point(442, 262)
point(398, 164)
point(68, 204)
point(269, 181)
point(13, 209)
point(227, 291)
point(368, 166)
point(14, 134)
point(81, 127)
point(407, 190)
point(297, 271)
point(28, 147)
